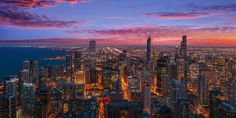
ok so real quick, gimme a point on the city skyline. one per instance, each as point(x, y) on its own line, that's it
point(206, 23)
point(117, 82)
point(118, 59)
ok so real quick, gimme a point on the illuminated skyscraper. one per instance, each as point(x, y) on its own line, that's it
point(24, 76)
point(92, 53)
point(92, 59)
point(202, 85)
point(163, 75)
point(33, 71)
point(28, 100)
point(232, 89)
point(181, 60)
point(11, 86)
point(180, 68)
point(148, 55)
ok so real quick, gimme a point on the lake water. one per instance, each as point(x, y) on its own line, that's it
point(11, 58)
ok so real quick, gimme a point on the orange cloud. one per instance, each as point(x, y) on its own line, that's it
point(164, 35)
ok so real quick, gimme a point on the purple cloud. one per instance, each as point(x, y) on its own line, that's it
point(37, 3)
point(17, 17)
point(173, 15)
point(196, 12)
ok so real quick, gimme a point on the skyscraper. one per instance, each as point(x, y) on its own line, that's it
point(181, 59)
point(232, 89)
point(26, 65)
point(24, 76)
point(146, 90)
point(33, 71)
point(148, 55)
point(69, 65)
point(202, 85)
point(28, 100)
point(7, 107)
point(183, 47)
point(178, 90)
point(163, 77)
point(180, 68)
point(11, 86)
point(44, 100)
point(92, 61)
point(77, 60)
point(214, 101)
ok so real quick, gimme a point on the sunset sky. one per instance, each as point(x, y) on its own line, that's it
point(205, 22)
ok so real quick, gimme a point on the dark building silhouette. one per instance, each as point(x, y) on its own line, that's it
point(123, 109)
point(148, 55)
point(92, 61)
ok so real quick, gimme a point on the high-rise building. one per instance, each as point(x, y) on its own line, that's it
point(225, 110)
point(193, 72)
point(80, 77)
point(149, 53)
point(3, 106)
point(33, 72)
point(28, 99)
point(147, 97)
point(160, 111)
point(214, 102)
point(220, 66)
point(44, 101)
point(181, 60)
point(183, 47)
point(182, 109)
point(146, 90)
point(202, 85)
point(24, 76)
point(7, 107)
point(92, 61)
point(180, 68)
point(176, 52)
point(92, 53)
point(178, 91)
point(123, 109)
point(11, 86)
point(163, 75)
point(232, 89)
point(69, 65)
point(77, 60)
point(26, 65)
point(122, 56)
point(2, 88)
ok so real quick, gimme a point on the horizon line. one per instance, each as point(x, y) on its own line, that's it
point(82, 42)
